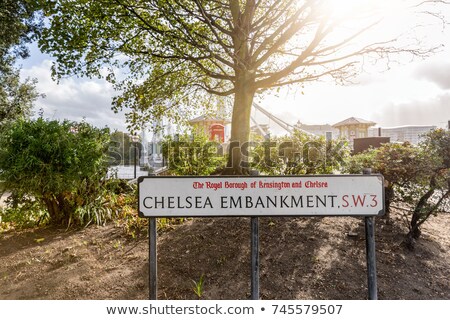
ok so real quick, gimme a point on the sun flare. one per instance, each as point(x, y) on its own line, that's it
point(343, 8)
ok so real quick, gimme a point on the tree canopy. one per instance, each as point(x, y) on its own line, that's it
point(19, 25)
point(166, 57)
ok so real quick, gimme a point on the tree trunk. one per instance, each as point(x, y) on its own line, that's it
point(54, 211)
point(419, 214)
point(240, 130)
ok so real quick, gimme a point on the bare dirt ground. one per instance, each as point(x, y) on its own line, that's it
point(301, 258)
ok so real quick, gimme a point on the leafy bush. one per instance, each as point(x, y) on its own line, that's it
point(300, 154)
point(60, 165)
point(192, 155)
point(417, 176)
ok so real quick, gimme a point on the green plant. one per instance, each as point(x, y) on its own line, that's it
point(198, 286)
point(418, 176)
point(299, 154)
point(192, 154)
point(61, 165)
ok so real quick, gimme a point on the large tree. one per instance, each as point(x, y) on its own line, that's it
point(167, 56)
point(19, 25)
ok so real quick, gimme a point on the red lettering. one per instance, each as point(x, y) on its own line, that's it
point(374, 201)
point(344, 199)
point(359, 200)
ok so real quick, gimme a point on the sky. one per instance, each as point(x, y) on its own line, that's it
point(412, 92)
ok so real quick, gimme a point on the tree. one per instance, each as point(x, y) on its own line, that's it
point(60, 165)
point(184, 51)
point(432, 190)
point(16, 97)
point(416, 176)
point(19, 25)
point(121, 151)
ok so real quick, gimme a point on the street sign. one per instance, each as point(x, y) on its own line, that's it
point(210, 196)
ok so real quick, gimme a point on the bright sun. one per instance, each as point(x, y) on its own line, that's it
point(343, 8)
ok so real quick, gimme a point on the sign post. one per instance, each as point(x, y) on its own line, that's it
point(256, 196)
point(152, 260)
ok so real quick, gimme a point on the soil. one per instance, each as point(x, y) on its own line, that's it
point(300, 258)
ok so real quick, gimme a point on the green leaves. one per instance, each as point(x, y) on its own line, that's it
point(55, 163)
point(192, 154)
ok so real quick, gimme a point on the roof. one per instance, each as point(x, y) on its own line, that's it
point(208, 119)
point(353, 121)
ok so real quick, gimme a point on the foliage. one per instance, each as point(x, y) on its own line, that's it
point(20, 23)
point(418, 176)
point(299, 154)
point(16, 97)
point(198, 286)
point(185, 51)
point(357, 162)
point(23, 215)
point(402, 166)
point(60, 165)
point(192, 154)
point(432, 192)
point(121, 150)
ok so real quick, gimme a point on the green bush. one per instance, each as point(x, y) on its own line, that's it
point(192, 155)
point(60, 165)
point(417, 176)
point(300, 154)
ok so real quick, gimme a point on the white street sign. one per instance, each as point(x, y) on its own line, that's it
point(211, 196)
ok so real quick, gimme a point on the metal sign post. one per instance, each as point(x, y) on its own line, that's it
point(370, 253)
point(370, 257)
point(152, 260)
point(256, 196)
point(254, 283)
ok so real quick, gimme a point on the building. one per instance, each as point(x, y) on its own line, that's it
point(260, 129)
point(214, 128)
point(410, 134)
point(352, 128)
point(318, 129)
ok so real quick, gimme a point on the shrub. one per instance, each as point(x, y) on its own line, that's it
point(60, 165)
point(417, 176)
point(192, 155)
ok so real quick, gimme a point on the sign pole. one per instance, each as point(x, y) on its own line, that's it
point(370, 253)
point(254, 279)
point(371, 260)
point(255, 258)
point(152, 260)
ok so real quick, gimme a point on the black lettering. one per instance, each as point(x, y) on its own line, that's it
point(259, 202)
point(208, 203)
point(295, 203)
point(283, 201)
point(223, 202)
point(324, 202)
point(309, 202)
point(272, 201)
point(198, 202)
point(236, 204)
point(248, 202)
point(147, 205)
point(161, 202)
point(332, 200)
point(189, 202)
point(170, 202)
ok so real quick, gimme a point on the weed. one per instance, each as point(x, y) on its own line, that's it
point(198, 286)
